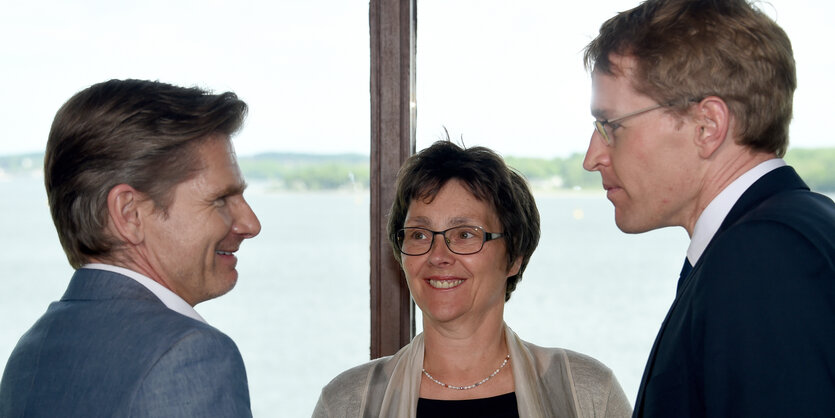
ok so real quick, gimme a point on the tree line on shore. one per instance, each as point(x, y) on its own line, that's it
point(303, 172)
point(350, 171)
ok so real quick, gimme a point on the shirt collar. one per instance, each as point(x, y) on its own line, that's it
point(713, 215)
point(169, 298)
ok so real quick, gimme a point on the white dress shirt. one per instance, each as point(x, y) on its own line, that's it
point(713, 215)
point(169, 298)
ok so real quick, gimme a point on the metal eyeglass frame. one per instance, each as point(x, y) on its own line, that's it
point(486, 236)
point(600, 125)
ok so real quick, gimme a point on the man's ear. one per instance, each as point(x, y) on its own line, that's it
point(126, 213)
point(714, 122)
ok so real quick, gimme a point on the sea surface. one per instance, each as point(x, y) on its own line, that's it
point(300, 311)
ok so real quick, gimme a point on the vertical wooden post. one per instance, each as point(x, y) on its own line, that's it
point(392, 27)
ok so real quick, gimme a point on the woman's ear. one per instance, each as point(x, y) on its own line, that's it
point(125, 213)
point(515, 267)
point(714, 122)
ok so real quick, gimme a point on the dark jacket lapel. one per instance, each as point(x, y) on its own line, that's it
point(775, 181)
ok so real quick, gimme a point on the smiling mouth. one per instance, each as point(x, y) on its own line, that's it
point(224, 253)
point(444, 284)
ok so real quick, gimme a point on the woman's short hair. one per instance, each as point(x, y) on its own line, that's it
point(691, 49)
point(135, 132)
point(488, 178)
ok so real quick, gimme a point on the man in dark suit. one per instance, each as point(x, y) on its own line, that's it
point(147, 198)
point(692, 101)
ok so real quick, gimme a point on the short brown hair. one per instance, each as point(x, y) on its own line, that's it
point(488, 178)
point(135, 132)
point(690, 49)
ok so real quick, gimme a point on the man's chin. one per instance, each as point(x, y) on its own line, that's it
point(231, 280)
point(630, 226)
point(224, 285)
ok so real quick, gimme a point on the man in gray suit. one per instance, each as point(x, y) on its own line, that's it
point(147, 198)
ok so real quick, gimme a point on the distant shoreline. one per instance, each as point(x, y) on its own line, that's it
point(290, 172)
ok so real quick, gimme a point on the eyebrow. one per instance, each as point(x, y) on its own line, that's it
point(232, 189)
point(423, 221)
point(460, 221)
point(599, 114)
point(420, 221)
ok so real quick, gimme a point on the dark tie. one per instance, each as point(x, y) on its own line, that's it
point(685, 270)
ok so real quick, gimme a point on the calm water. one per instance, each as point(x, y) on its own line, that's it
point(300, 312)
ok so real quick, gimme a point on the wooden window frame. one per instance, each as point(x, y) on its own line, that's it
point(393, 27)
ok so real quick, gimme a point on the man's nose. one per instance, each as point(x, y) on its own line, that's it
point(246, 222)
point(596, 154)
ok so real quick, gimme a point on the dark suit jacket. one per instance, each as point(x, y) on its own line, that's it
point(751, 332)
point(110, 348)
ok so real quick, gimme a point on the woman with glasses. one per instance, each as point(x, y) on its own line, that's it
point(463, 227)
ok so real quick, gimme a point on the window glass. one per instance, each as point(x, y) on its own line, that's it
point(300, 311)
point(510, 76)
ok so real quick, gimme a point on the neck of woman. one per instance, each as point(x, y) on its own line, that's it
point(463, 354)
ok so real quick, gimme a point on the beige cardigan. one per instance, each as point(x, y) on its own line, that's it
point(549, 382)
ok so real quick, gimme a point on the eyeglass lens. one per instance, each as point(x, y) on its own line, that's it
point(601, 129)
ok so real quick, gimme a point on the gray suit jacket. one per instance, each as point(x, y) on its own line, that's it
point(110, 348)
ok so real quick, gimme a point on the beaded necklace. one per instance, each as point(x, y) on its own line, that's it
point(477, 384)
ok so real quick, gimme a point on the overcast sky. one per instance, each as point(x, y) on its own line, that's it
point(503, 74)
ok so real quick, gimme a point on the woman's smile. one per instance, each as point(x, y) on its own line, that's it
point(439, 283)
